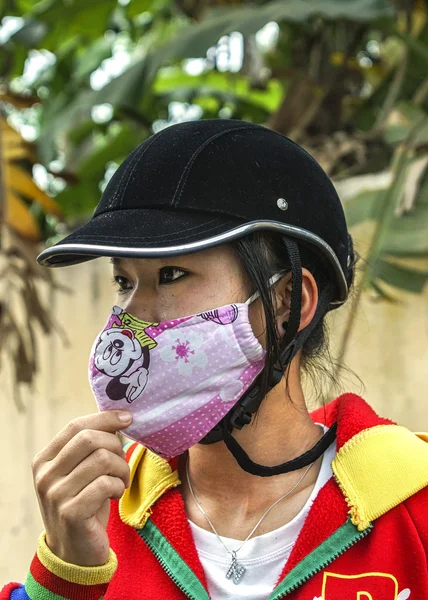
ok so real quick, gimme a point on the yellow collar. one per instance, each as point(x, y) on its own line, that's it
point(376, 469)
point(379, 468)
point(151, 477)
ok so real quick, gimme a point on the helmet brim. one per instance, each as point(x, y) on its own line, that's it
point(155, 233)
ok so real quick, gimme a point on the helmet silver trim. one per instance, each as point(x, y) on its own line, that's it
point(96, 250)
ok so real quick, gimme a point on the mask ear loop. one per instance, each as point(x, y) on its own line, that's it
point(271, 282)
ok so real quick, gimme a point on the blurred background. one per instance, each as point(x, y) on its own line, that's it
point(82, 82)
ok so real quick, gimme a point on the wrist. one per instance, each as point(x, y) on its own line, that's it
point(74, 573)
point(77, 557)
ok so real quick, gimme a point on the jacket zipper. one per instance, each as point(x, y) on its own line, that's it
point(278, 595)
point(170, 573)
point(318, 568)
point(275, 595)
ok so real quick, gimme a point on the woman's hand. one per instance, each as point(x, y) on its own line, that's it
point(75, 477)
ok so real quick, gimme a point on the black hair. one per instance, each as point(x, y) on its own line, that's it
point(262, 254)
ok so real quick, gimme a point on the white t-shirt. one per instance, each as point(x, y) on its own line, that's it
point(263, 556)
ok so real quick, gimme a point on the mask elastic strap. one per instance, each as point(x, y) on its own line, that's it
point(271, 282)
point(296, 290)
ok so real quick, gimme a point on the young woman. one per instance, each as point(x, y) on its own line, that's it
point(229, 246)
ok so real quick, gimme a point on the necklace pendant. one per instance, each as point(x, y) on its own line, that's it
point(235, 571)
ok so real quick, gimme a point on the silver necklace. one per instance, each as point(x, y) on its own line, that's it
point(236, 571)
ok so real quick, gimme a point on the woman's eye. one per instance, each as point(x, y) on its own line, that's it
point(123, 284)
point(170, 274)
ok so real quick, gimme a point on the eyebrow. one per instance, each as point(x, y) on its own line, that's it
point(115, 261)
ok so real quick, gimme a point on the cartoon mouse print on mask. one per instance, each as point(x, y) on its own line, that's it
point(180, 377)
point(119, 348)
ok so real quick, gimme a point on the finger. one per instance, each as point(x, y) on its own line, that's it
point(51, 475)
point(101, 462)
point(86, 504)
point(108, 420)
point(80, 447)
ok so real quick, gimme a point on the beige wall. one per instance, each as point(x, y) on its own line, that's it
point(389, 350)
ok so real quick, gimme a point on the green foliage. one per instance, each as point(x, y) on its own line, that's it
point(365, 206)
point(66, 20)
point(408, 234)
point(405, 116)
point(120, 139)
point(194, 40)
point(400, 277)
point(91, 57)
point(227, 87)
point(338, 68)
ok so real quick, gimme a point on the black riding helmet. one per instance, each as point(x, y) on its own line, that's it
point(198, 184)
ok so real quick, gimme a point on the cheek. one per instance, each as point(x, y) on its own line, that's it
point(258, 321)
point(200, 294)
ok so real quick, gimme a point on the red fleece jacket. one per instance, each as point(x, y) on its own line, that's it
point(332, 559)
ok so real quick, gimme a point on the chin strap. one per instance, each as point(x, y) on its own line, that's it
point(292, 327)
point(242, 413)
point(245, 462)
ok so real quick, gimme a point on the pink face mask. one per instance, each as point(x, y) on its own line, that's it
point(178, 378)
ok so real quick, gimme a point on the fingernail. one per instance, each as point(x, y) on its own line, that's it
point(124, 417)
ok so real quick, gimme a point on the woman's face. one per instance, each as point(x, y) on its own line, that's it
point(162, 289)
